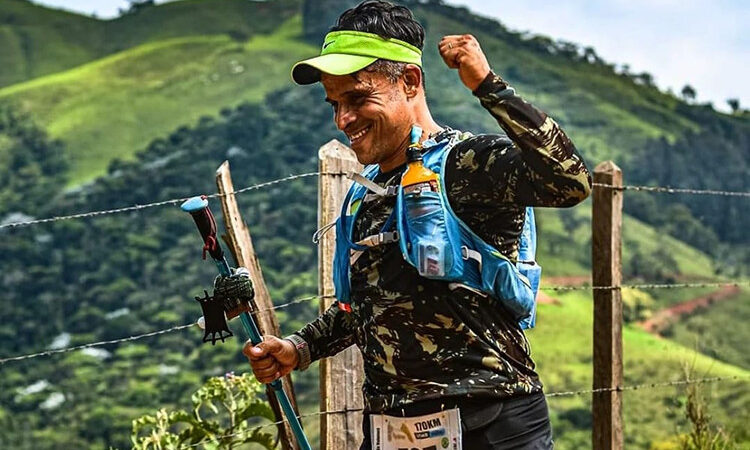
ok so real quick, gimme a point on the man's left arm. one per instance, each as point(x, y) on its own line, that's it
point(544, 167)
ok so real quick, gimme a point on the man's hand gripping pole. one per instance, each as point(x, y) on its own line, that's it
point(204, 219)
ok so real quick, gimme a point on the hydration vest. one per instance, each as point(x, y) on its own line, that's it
point(467, 261)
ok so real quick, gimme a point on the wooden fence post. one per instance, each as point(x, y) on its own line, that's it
point(606, 224)
point(241, 245)
point(340, 376)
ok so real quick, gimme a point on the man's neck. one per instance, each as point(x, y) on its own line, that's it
point(429, 128)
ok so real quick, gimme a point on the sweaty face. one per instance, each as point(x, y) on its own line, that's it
point(374, 114)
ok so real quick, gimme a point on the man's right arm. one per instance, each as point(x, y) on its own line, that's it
point(327, 335)
point(332, 332)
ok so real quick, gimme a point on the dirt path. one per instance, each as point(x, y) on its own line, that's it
point(663, 318)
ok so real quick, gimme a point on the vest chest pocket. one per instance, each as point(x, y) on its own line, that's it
point(430, 239)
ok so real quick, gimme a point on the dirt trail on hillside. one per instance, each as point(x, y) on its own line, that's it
point(665, 317)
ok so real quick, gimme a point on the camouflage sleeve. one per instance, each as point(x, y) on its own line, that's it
point(543, 168)
point(332, 332)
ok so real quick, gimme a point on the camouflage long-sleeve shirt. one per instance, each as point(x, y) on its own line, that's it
point(419, 339)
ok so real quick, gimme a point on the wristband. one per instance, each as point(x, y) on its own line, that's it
point(303, 351)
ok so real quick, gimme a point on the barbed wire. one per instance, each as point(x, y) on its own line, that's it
point(144, 335)
point(313, 297)
point(96, 344)
point(670, 190)
point(584, 287)
point(295, 301)
point(647, 386)
point(173, 201)
point(548, 395)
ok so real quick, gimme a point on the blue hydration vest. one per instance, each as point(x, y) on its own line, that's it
point(466, 260)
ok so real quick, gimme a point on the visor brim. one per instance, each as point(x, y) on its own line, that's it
point(309, 70)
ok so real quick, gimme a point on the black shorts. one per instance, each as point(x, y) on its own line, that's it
point(515, 423)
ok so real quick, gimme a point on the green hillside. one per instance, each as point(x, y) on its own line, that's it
point(607, 114)
point(563, 235)
point(36, 40)
point(563, 355)
point(112, 107)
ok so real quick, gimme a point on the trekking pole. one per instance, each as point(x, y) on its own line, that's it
point(204, 219)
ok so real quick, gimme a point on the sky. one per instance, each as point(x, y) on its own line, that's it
point(704, 43)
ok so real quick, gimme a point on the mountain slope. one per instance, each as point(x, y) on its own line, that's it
point(37, 40)
point(112, 107)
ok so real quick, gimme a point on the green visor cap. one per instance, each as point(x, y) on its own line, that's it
point(346, 52)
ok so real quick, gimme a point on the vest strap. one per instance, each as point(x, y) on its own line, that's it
point(375, 188)
point(378, 239)
point(467, 253)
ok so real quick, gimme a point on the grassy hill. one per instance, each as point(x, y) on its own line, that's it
point(563, 355)
point(114, 106)
point(37, 40)
point(563, 235)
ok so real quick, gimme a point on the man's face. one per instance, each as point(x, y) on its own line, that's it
point(373, 112)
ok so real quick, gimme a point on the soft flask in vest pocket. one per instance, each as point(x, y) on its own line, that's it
point(428, 238)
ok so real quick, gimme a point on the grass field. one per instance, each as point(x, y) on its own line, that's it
point(36, 40)
point(564, 246)
point(562, 348)
point(115, 106)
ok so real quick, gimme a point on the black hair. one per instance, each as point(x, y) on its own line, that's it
point(387, 21)
point(384, 19)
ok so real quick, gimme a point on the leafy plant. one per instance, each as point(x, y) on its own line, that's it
point(223, 416)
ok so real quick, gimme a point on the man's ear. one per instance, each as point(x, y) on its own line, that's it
point(412, 80)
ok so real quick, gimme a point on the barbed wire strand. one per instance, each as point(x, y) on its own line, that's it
point(312, 297)
point(548, 395)
point(647, 386)
point(173, 201)
point(670, 190)
point(644, 286)
point(142, 336)
point(96, 344)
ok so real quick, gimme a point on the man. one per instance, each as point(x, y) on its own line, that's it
point(427, 347)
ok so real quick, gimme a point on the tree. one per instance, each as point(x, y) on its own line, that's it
point(137, 5)
point(688, 93)
point(734, 104)
point(644, 78)
point(589, 54)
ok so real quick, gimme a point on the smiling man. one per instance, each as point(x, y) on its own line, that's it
point(427, 345)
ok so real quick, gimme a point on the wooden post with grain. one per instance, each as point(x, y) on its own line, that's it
point(340, 376)
point(606, 224)
point(240, 244)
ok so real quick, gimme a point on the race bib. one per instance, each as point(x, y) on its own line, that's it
point(437, 431)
